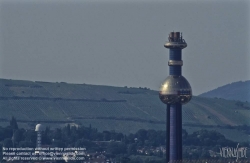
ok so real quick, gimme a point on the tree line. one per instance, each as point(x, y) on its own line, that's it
point(115, 144)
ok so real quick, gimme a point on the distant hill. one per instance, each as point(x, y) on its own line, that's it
point(234, 91)
point(121, 109)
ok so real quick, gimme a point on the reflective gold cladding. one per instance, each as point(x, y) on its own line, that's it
point(172, 99)
point(175, 89)
point(173, 63)
point(181, 45)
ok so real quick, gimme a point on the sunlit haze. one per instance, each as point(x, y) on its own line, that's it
point(120, 43)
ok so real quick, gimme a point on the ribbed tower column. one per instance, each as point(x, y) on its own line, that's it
point(39, 139)
point(174, 92)
point(175, 62)
point(39, 128)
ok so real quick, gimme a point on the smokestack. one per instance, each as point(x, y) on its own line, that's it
point(174, 92)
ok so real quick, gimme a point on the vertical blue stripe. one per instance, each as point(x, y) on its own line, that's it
point(172, 135)
point(174, 116)
point(168, 132)
point(179, 130)
point(174, 70)
point(175, 54)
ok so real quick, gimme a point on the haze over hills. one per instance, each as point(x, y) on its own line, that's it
point(235, 91)
point(111, 108)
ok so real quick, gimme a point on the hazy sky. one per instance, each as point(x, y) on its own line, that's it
point(120, 43)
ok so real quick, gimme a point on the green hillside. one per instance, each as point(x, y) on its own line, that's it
point(111, 108)
point(234, 91)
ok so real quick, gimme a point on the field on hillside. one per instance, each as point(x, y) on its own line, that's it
point(234, 91)
point(110, 108)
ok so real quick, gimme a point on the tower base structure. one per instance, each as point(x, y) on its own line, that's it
point(174, 132)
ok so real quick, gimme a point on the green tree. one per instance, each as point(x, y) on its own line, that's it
point(18, 135)
point(30, 136)
point(84, 143)
point(132, 149)
point(7, 143)
point(205, 154)
point(2, 133)
point(106, 135)
point(116, 148)
point(26, 144)
point(13, 123)
point(142, 135)
point(57, 134)
point(152, 138)
point(46, 136)
point(58, 143)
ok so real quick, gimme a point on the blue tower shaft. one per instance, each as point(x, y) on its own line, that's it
point(174, 132)
point(174, 114)
point(175, 91)
point(175, 55)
